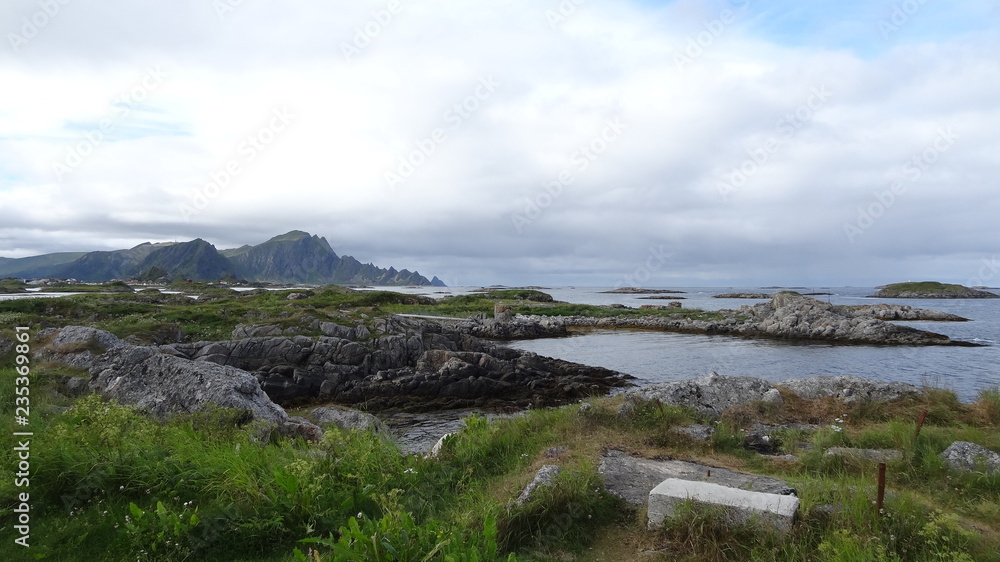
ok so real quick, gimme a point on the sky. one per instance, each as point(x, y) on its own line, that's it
point(519, 142)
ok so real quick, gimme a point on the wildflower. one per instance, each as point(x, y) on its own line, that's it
point(360, 515)
point(409, 471)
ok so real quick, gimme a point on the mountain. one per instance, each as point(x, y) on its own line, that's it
point(102, 266)
point(37, 266)
point(294, 257)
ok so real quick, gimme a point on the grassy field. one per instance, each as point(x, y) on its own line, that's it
point(217, 310)
point(108, 483)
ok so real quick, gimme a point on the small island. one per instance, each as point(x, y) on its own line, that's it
point(930, 290)
point(743, 296)
point(641, 291)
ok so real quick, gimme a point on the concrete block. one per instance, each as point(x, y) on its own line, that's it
point(740, 505)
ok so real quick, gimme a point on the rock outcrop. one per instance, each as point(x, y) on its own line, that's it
point(891, 312)
point(851, 389)
point(965, 456)
point(422, 366)
point(788, 316)
point(713, 394)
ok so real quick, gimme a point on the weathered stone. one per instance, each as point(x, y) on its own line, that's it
point(554, 452)
point(301, 427)
point(348, 419)
point(786, 316)
point(696, 432)
point(709, 395)
point(851, 389)
point(544, 477)
point(165, 385)
point(632, 478)
point(871, 455)
point(739, 505)
point(965, 456)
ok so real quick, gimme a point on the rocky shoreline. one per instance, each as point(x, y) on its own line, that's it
point(787, 316)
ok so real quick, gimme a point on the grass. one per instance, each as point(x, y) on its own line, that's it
point(149, 316)
point(204, 487)
point(924, 287)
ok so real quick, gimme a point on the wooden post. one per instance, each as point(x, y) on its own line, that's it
point(920, 422)
point(881, 488)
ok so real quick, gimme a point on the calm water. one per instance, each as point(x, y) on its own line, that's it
point(659, 357)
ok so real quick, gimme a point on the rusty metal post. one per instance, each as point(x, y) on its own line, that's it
point(920, 422)
point(881, 488)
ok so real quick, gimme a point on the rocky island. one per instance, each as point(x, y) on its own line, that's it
point(931, 290)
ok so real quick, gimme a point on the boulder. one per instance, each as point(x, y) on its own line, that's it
point(709, 395)
point(965, 456)
point(544, 477)
point(851, 389)
point(871, 455)
point(301, 427)
point(348, 419)
point(696, 432)
point(632, 478)
point(164, 385)
point(739, 505)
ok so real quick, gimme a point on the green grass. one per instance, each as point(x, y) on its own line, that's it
point(108, 483)
point(924, 287)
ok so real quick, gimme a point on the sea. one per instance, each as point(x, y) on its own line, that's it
point(655, 357)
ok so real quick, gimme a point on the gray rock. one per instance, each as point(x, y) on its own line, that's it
point(348, 419)
point(554, 452)
point(243, 331)
point(738, 505)
point(709, 395)
point(851, 389)
point(626, 410)
point(164, 385)
point(543, 478)
point(6, 346)
point(697, 432)
point(585, 409)
point(632, 478)
point(871, 455)
point(965, 456)
point(301, 427)
point(787, 316)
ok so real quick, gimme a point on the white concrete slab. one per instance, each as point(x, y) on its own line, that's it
point(739, 504)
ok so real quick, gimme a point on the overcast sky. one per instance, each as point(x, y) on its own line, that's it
point(581, 142)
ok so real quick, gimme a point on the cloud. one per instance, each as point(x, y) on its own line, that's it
point(480, 110)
